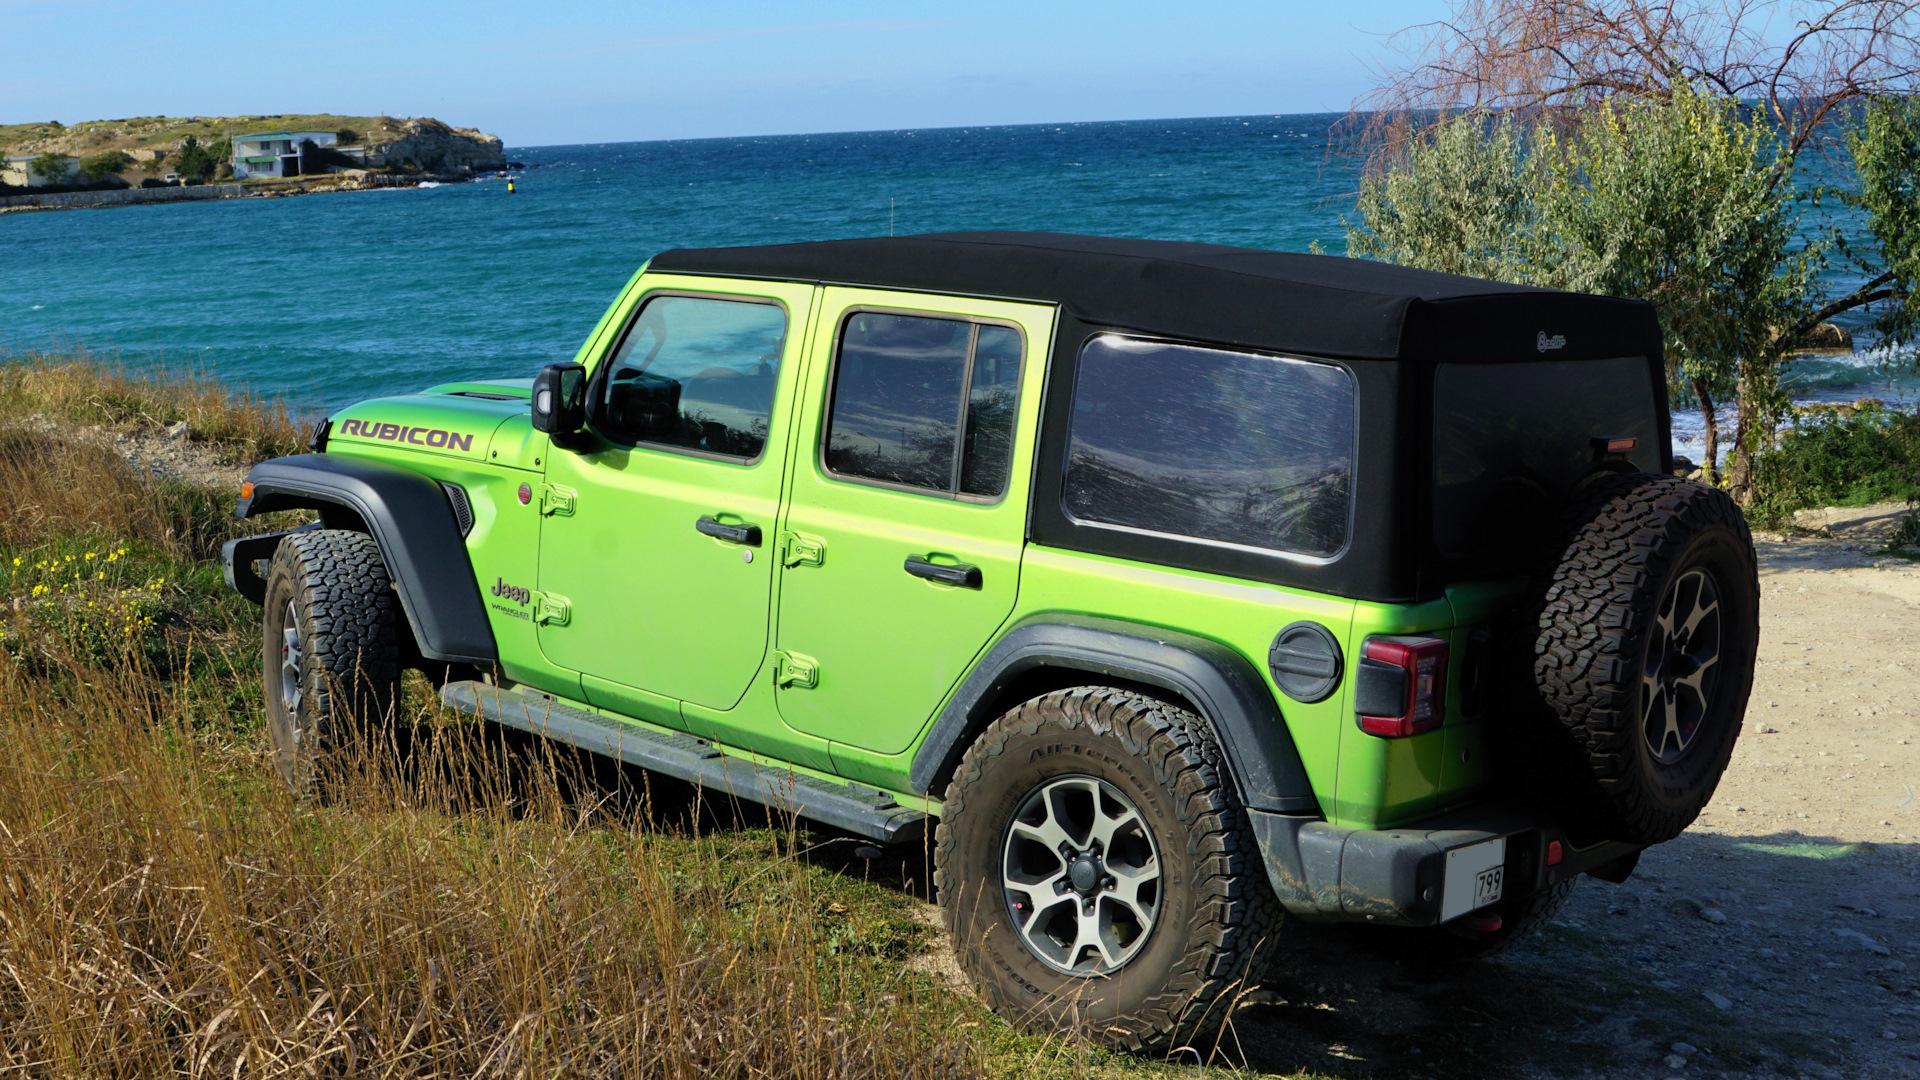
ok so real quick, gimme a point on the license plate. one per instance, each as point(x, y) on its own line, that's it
point(1476, 876)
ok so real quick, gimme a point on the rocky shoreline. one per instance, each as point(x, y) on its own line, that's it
point(400, 153)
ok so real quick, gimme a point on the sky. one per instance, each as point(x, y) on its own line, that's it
point(548, 72)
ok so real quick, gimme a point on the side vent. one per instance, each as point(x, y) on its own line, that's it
point(1305, 661)
point(462, 509)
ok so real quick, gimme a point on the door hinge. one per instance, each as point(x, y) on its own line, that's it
point(802, 549)
point(557, 500)
point(552, 609)
point(797, 670)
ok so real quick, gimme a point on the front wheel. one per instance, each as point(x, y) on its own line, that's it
point(329, 651)
point(1098, 873)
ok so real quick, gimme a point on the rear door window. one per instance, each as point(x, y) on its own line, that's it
point(1228, 447)
point(695, 373)
point(925, 403)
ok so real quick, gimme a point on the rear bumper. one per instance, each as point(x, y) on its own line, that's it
point(1399, 877)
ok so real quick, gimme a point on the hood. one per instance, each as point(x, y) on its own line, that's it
point(454, 419)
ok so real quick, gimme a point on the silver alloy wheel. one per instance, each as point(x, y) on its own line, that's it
point(1683, 659)
point(1081, 875)
point(290, 675)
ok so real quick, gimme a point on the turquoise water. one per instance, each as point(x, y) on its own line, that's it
point(333, 298)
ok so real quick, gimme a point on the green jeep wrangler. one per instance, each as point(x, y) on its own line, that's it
point(1184, 586)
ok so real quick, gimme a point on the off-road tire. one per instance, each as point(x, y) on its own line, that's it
point(1217, 913)
point(331, 587)
point(1576, 728)
point(1432, 946)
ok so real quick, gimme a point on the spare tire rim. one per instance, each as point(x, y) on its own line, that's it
point(1683, 666)
point(1080, 873)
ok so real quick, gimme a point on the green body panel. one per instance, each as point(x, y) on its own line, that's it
point(659, 613)
point(677, 630)
point(434, 424)
point(889, 645)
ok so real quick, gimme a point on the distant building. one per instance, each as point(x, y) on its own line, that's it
point(279, 153)
point(19, 172)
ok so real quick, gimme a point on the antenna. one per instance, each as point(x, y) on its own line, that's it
point(889, 217)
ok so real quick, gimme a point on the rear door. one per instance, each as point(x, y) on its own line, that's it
point(907, 512)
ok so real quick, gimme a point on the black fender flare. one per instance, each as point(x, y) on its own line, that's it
point(410, 518)
point(1221, 684)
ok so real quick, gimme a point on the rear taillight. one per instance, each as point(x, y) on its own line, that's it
point(1402, 686)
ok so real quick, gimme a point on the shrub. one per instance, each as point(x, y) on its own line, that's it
point(1827, 459)
point(98, 167)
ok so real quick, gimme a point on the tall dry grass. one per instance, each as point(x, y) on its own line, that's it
point(472, 905)
point(79, 387)
point(458, 910)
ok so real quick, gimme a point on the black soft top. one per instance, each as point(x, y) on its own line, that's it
point(1312, 304)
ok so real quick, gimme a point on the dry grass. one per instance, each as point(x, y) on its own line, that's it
point(80, 388)
point(168, 909)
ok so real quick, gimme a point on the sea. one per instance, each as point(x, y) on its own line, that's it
point(328, 299)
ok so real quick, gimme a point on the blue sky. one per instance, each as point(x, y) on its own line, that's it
point(539, 72)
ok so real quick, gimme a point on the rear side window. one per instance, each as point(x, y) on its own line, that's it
point(1510, 439)
point(925, 403)
point(697, 374)
point(1229, 447)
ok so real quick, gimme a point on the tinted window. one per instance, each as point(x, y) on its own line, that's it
point(1224, 446)
point(696, 373)
point(926, 403)
point(993, 393)
point(1508, 440)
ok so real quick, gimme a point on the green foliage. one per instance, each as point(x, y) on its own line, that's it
point(347, 136)
point(98, 167)
point(1682, 202)
point(197, 162)
point(1463, 201)
point(49, 166)
point(1831, 460)
point(1885, 146)
point(1687, 203)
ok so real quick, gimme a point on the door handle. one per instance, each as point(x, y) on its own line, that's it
point(964, 575)
point(732, 534)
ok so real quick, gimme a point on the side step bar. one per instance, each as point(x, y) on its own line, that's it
point(860, 810)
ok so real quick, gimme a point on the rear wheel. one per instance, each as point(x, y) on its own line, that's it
point(329, 647)
point(1097, 872)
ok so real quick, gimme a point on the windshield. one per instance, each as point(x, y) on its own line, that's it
point(1510, 439)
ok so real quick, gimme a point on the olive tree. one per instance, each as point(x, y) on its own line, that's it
point(1671, 201)
point(1650, 93)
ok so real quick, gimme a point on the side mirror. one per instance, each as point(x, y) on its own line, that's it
point(560, 399)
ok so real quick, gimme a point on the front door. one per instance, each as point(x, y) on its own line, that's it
point(656, 567)
point(905, 522)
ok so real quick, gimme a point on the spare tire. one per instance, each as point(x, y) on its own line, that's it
point(1635, 656)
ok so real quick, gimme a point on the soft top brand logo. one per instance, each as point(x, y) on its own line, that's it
point(438, 438)
point(516, 593)
point(1547, 344)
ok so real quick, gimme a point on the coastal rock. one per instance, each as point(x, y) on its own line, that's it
point(427, 145)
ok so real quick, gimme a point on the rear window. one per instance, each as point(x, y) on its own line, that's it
point(1510, 439)
point(1227, 447)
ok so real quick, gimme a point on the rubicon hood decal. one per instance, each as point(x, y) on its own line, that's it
point(415, 436)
